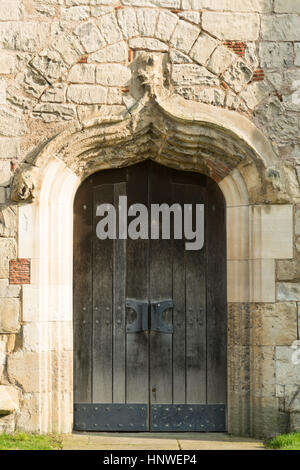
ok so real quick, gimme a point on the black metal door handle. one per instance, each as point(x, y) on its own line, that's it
point(141, 308)
point(157, 309)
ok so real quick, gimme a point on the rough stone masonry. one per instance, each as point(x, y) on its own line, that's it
point(67, 63)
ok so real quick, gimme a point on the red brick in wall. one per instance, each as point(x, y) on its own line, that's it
point(236, 47)
point(19, 271)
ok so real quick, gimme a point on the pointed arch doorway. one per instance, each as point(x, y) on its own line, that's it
point(149, 316)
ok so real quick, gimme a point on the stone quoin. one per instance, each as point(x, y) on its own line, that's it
point(207, 88)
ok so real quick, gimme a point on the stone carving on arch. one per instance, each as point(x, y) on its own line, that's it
point(170, 130)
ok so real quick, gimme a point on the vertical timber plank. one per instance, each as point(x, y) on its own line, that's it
point(82, 286)
point(216, 296)
point(179, 371)
point(161, 370)
point(137, 361)
point(119, 318)
point(102, 304)
point(195, 313)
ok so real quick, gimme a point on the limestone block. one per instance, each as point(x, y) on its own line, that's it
point(10, 10)
point(238, 75)
point(233, 5)
point(89, 36)
point(274, 324)
point(55, 94)
point(25, 368)
point(281, 126)
point(184, 36)
point(114, 96)
point(68, 47)
point(76, 13)
point(100, 10)
point(177, 57)
point(146, 19)
point(235, 27)
point(288, 270)
point(8, 222)
point(112, 75)
point(53, 112)
point(45, 10)
point(86, 94)
point(29, 420)
point(9, 147)
point(8, 63)
point(165, 25)
point(34, 83)
point(153, 3)
point(109, 28)
point(8, 251)
point(298, 244)
point(82, 73)
point(287, 291)
point(239, 325)
point(192, 16)
point(148, 44)
point(276, 55)
point(128, 22)
point(288, 375)
point(263, 364)
point(238, 244)
point(11, 124)
point(5, 172)
point(7, 290)
point(32, 334)
point(213, 96)
point(114, 53)
point(9, 399)
point(191, 74)
point(251, 55)
point(9, 315)
point(2, 357)
point(24, 36)
point(286, 6)
point(251, 280)
point(262, 278)
point(49, 64)
point(275, 78)
point(2, 195)
point(203, 48)
point(297, 53)
point(280, 27)
point(272, 231)
point(297, 222)
point(255, 93)
point(220, 60)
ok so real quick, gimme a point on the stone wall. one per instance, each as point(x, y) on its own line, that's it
point(65, 63)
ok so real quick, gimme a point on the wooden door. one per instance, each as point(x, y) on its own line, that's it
point(167, 372)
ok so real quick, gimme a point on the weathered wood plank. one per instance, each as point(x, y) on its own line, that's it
point(216, 296)
point(137, 361)
point(82, 288)
point(160, 288)
point(102, 340)
point(119, 313)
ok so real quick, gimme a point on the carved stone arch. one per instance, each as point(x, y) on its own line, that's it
point(177, 133)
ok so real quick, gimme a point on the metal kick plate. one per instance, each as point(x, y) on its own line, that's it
point(110, 417)
point(188, 418)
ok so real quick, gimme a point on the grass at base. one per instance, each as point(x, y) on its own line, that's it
point(285, 442)
point(23, 441)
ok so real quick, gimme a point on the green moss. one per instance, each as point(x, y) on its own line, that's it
point(23, 441)
point(285, 442)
